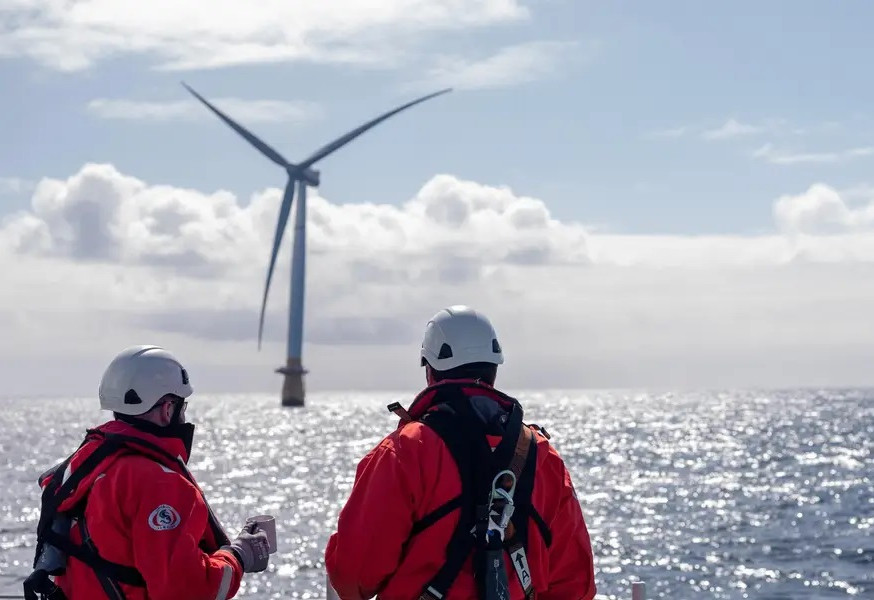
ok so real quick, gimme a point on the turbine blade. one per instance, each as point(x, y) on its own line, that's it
point(264, 148)
point(284, 210)
point(345, 139)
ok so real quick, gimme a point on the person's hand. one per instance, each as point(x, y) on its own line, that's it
point(251, 548)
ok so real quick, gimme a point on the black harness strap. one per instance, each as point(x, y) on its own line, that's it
point(456, 434)
point(435, 515)
point(464, 434)
point(59, 490)
point(488, 463)
point(87, 553)
point(111, 587)
point(53, 495)
point(109, 574)
point(445, 509)
point(545, 533)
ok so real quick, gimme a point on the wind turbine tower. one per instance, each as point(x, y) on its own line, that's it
point(302, 175)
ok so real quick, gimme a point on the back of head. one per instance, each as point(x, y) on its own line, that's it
point(460, 343)
point(139, 377)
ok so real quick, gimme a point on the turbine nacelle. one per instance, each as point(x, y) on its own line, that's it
point(308, 175)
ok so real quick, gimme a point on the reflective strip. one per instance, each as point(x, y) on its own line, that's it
point(227, 574)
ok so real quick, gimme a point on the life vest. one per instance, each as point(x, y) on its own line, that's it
point(446, 409)
point(54, 543)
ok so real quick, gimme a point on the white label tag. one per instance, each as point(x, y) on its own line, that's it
point(520, 563)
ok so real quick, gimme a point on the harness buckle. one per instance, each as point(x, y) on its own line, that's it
point(542, 430)
point(400, 411)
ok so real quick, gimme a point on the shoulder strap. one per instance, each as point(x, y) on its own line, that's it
point(470, 451)
point(506, 455)
point(465, 437)
point(517, 538)
point(59, 489)
point(109, 573)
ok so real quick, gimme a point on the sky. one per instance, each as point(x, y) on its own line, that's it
point(661, 195)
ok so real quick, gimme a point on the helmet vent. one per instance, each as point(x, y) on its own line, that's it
point(131, 397)
point(496, 347)
point(445, 351)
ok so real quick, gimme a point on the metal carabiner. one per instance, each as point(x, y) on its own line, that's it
point(497, 490)
point(499, 493)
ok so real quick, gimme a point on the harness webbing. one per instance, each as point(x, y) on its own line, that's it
point(464, 434)
point(109, 574)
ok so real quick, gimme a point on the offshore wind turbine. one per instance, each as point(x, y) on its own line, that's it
point(303, 175)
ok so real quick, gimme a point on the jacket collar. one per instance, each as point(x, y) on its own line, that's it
point(424, 401)
point(174, 447)
point(171, 445)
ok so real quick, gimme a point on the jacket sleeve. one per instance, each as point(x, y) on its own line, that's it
point(169, 522)
point(373, 525)
point(571, 566)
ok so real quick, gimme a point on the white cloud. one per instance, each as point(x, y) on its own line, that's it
point(188, 34)
point(822, 209)
point(770, 154)
point(251, 111)
point(509, 66)
point(732, 129)
point(102, 260)
point(101, 214)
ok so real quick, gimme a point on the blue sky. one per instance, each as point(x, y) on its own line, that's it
point(707, 168)
point(573, 128)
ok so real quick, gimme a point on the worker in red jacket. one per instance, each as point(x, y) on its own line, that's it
point(463, 500)
point(123, 518)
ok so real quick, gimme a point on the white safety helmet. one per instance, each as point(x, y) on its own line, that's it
point(138, 377)
point(457, 336)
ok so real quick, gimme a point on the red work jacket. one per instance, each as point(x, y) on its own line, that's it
point(411, 473)
point(142, 512)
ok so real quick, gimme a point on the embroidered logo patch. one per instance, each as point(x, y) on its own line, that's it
point(164, 517)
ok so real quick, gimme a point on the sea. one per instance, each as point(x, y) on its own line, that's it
point(711, 494)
